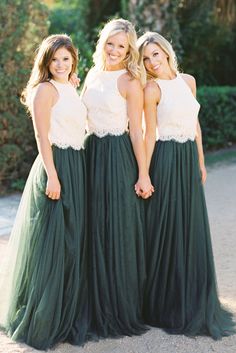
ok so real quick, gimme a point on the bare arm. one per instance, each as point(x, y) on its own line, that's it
point(134, 97)
point(190, 80)
point(151, 98)
point(44, 98)
point(201, 153)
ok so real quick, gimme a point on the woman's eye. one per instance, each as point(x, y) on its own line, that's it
point(155, 54)
point(121, 46)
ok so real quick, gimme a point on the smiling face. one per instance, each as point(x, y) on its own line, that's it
point(115, 51)
point(61, 65)
point(155, 60)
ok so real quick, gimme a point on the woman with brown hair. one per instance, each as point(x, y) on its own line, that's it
point(43, 291)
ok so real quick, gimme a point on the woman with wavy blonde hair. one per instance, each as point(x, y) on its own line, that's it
point(165, 45)
point(130, 62)
point(116, 162)
point(180, 291)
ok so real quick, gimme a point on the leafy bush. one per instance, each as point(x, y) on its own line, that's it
point(218, 116)
point(24, 25)
point(208, 44)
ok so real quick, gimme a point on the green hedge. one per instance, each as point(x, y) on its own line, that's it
point(23, 25)
point(217, 116)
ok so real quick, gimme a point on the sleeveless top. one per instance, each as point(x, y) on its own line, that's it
point(68, 118)
point(107, 109)
point(177, 111)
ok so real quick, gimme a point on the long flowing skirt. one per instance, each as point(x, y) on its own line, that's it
point(43, 292)
point(181, 293)
point(116, 238)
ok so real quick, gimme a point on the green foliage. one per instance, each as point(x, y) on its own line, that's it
point(23, 27)
point(218, 116)
point(208, 44)
point(101, 10)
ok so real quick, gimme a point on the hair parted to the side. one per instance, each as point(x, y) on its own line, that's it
point(45, 53)
point(164, 44)
point(112, 28)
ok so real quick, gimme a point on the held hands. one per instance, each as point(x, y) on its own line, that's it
point(75, 80)
point(53, 188)
point(144, 187)
point(203, 173)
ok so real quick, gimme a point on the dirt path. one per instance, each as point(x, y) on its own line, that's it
point(221, 200)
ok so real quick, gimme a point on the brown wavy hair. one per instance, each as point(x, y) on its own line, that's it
point(45, 53)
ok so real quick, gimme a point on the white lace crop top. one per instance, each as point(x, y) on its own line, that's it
point(107, 109)
point(68, 118)
point(177, 111)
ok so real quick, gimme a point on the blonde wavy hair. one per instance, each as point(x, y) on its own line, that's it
point(164, 44)
point(112, 28)
point(45, 53)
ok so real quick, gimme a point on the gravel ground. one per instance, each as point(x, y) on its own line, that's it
point(221, 200)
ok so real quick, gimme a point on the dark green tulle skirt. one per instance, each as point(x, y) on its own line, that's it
point(48, 295)
point(115, 238)
point(181, 293)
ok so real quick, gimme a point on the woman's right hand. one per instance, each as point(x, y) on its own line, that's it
point(53, 188)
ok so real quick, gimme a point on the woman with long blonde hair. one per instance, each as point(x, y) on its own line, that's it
point(116, 166)
point(180, 292)
point(43, 290)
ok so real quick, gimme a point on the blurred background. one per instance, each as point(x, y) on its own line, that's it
point(203, 33)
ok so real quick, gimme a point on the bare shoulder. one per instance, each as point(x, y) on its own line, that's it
point(151, 87)
point(190, 80)
point(152, 92)
point(45, 88)
point(130, 81)
point(128, 85)
point(45, 91)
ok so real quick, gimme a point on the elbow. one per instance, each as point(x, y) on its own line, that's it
point(136, 135)
point(41, 138)
point(150, 138)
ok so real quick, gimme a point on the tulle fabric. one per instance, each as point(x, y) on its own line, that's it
point(181, 293)
point(43, 292)
point(116, 239)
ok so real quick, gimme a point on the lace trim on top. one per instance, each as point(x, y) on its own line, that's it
point(177, 138)
point(64, 146)
point(104, 132)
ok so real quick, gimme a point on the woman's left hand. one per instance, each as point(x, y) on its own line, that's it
point(203, 173)
point(75, 80)
point(144, 187)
